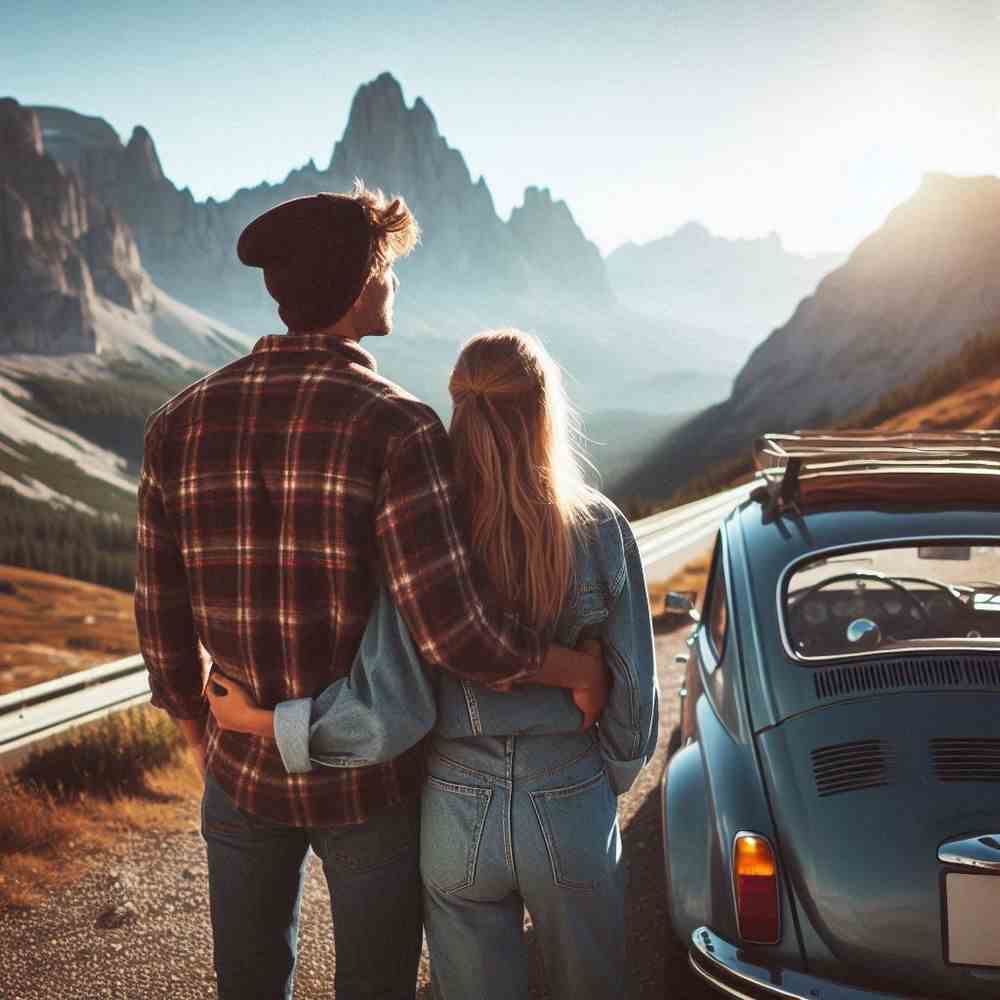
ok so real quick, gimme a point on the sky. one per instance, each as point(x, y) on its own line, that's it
point(809, 119)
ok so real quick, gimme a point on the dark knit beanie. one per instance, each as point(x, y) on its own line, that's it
point(315, 252)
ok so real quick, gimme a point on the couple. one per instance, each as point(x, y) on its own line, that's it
point(359, 580)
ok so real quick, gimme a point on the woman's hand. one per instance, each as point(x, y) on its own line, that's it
point(235, 710)
point(592, 698)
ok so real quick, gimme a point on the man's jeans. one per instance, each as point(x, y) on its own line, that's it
point(255, 876)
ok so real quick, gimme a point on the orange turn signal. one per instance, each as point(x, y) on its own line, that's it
point(754, 856)
point(755, 878)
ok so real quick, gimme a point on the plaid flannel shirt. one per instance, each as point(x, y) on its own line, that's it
point(274, 494)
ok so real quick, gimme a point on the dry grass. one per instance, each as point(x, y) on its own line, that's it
point(689, 580)
point(49, 829)
point(51, 625)
point(976, 404)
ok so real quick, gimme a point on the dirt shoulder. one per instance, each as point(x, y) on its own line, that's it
point(153, 886)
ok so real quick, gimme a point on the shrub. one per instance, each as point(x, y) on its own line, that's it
point(105, 759)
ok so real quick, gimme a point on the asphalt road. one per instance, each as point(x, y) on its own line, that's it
point(162, 951)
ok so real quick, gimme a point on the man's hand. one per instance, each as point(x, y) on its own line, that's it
point(591, 698)
point(235, 710)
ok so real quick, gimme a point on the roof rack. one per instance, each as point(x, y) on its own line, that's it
point(832, 465)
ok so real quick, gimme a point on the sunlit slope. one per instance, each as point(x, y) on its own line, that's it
point(51, 625)
point(973, 406)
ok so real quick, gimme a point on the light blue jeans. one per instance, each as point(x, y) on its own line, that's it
point(509, 823)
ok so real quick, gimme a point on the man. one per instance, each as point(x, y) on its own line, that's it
point(275, 492)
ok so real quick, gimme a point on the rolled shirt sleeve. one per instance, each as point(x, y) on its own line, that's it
point(168, 639)
point(291, 733)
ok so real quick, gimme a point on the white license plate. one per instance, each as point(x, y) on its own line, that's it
point(973, 903)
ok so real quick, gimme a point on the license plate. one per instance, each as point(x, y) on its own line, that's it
point(973, 902)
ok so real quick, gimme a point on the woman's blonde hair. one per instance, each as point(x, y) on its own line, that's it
point(511, 435)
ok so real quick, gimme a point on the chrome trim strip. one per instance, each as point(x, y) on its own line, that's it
point(972, 852)
point(710, 954)
point(733, 970)
point(982, 645)
point(730, 991)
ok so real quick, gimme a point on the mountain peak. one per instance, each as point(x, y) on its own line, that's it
point(387, 83)
point(381, 96)
point(424, 117)
point(546, 232)
point(19, 128)
point(377, 122)
point(693, 231)
point(142, 149)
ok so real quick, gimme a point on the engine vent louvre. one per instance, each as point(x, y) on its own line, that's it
point(966, 759)
point(975, 672)
point(849, 767)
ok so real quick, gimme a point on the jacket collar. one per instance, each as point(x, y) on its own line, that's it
point(351, 351)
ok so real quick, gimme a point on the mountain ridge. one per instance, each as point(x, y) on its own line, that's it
point(742, 287)
point(474, 271)
point(906, 299)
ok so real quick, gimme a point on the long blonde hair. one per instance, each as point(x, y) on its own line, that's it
point(511, 439)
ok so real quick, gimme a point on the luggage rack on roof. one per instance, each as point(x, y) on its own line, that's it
point(846, 459)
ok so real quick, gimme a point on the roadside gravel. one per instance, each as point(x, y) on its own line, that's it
point(136, 927)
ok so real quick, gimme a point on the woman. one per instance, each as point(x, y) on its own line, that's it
point(519, 807)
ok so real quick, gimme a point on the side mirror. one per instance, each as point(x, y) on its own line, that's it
point(680, 604)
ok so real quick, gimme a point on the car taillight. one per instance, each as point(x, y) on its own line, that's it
point(756, 875)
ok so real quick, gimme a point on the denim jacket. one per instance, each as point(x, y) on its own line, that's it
point(390, 700)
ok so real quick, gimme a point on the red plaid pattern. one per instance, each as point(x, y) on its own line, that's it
point(273, 493)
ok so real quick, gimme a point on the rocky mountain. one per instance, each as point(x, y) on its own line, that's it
point(905, 301)
point(742, 289)
point(70, 269)
point(473, 270)
point(88, 343)
point(60, 250)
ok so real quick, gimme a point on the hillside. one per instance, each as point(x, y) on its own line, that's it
point(51, 625)
point(905, 302)
point(973, 406)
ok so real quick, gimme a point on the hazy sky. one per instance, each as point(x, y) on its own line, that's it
point(809, 118)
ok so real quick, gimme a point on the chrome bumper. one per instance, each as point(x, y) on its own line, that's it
point(724, 966)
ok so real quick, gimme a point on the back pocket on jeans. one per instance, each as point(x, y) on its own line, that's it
point(452, 818)
point(580, 827)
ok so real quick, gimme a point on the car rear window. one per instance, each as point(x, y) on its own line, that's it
point(867, 602)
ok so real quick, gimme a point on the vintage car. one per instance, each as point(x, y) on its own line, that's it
point(831, 814)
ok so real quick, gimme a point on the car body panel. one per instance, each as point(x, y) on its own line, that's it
point(864, 860)
point(704, 811)
point(862, 897)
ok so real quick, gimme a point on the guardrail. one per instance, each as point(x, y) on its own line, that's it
point(41, 712)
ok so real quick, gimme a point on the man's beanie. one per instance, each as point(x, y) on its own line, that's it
point(315, 252)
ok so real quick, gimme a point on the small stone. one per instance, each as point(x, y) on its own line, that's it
point(187, 873)
point(117, 916)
